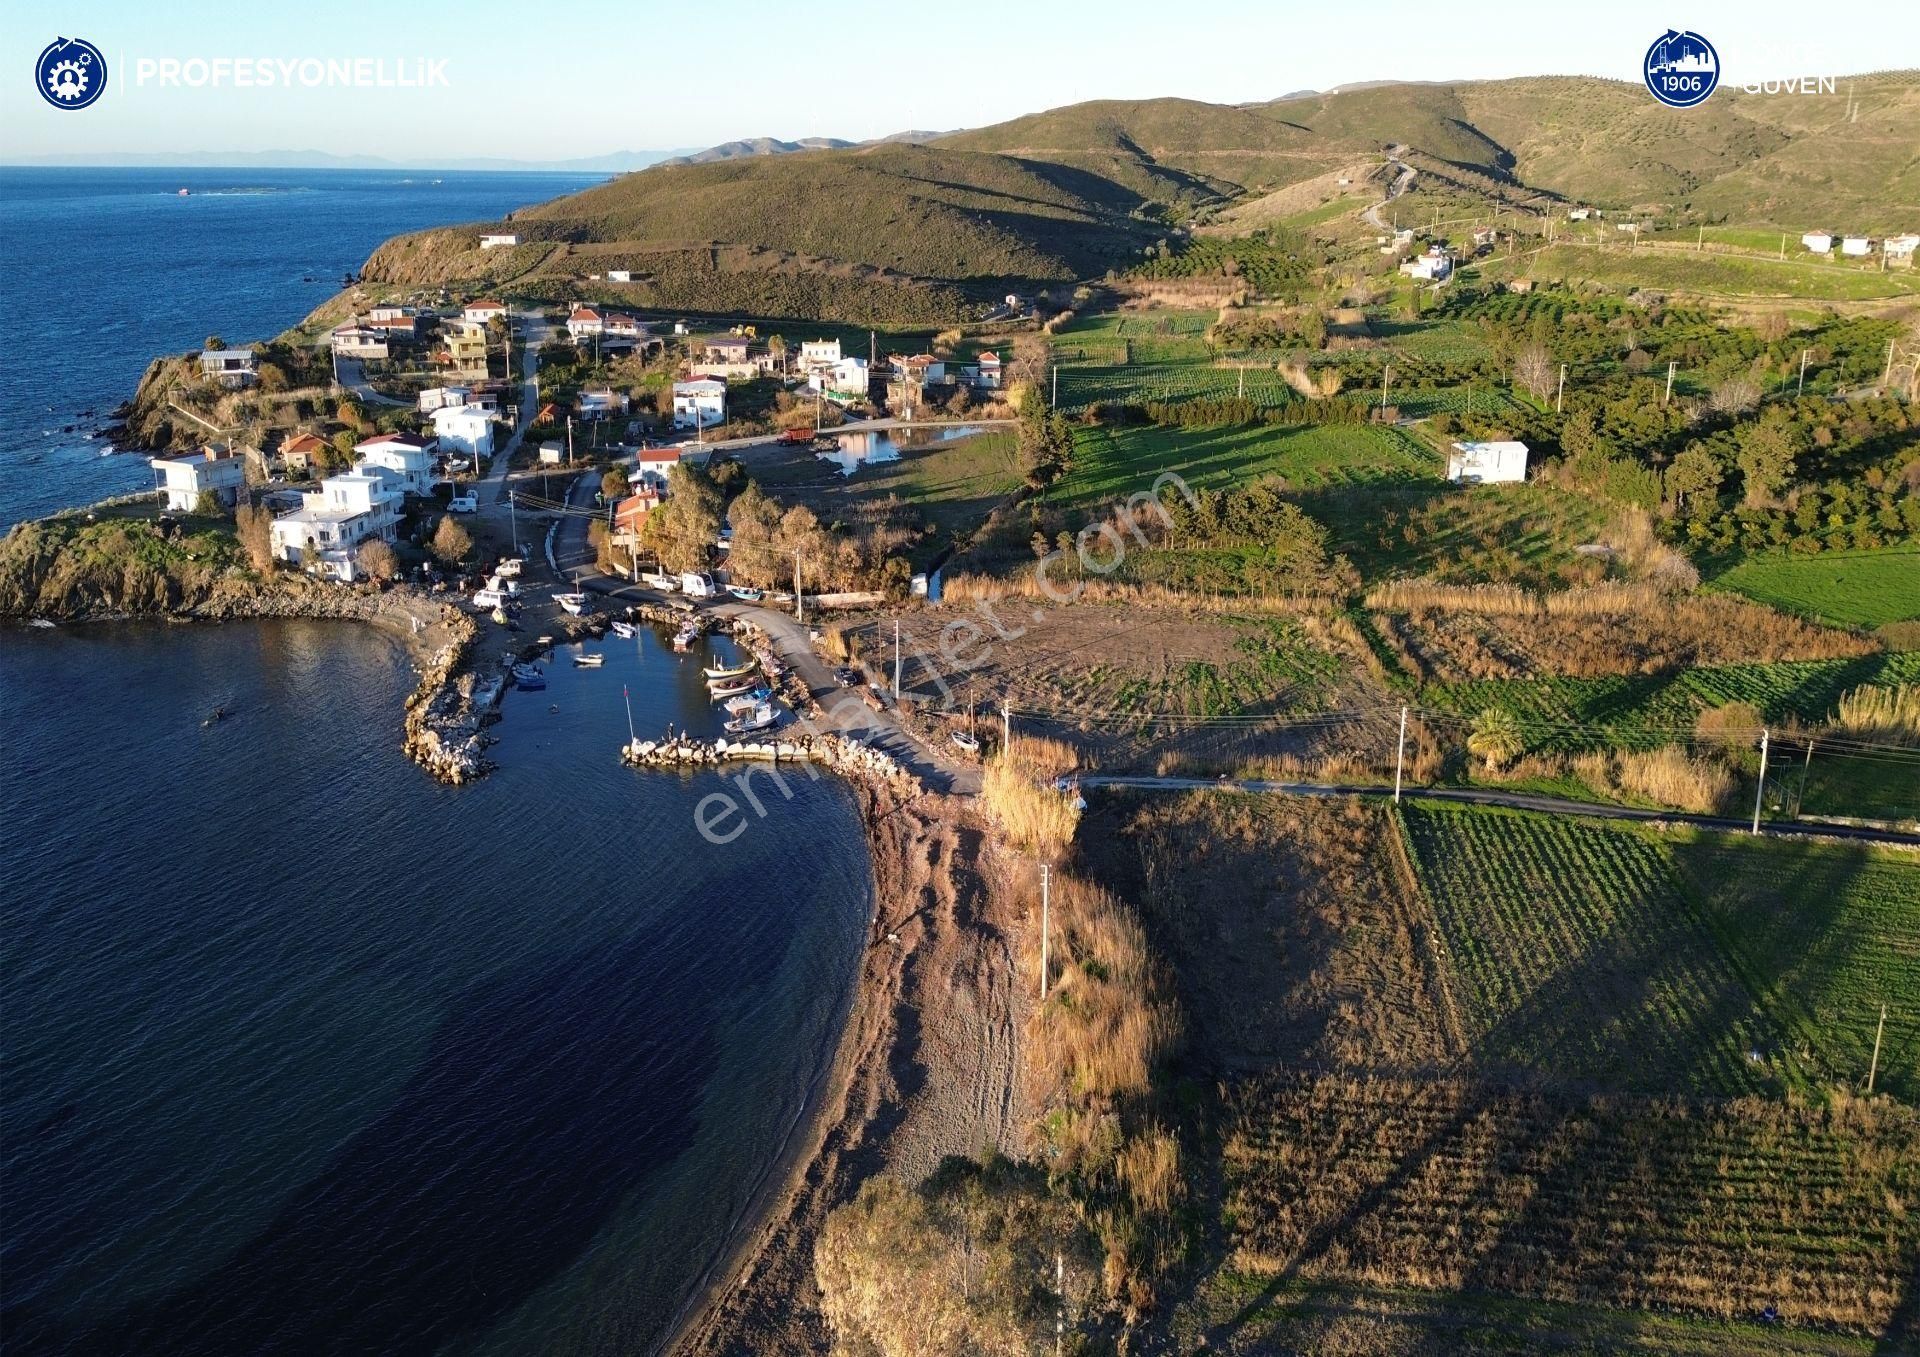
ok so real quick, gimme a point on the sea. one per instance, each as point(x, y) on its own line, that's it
point(306, 1053)
point(104, 269)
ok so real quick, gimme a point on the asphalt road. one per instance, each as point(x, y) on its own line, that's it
point(1517, 800)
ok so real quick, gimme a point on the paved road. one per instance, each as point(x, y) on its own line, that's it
point(846, 713)
point(1517, 800)
point(353, 376)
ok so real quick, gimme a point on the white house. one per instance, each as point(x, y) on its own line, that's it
point(602, 404)
point(619, 275)
point(725, 356)
point(1900, 247)
point(989, 371)
point(1485, 463)
point(484, 311)
point(497, 239)
point(652, 466)
point(403, 460)
point(464, 428)
point(699, 404)
point(583, 322)
point(1857, 246)
point(848, 377)
point(331, 523)
point(1579, 213)
point(358, 341)
point(1435, 266)
point(229, 367)
point(818, 355)
point(1820, 242)
point(552, 454)
point(619, 325)
point(441, 397)
point(218, 469)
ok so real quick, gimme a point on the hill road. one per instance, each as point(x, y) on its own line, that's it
point(1551, 805)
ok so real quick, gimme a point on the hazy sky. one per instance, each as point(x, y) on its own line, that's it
point(543, 81)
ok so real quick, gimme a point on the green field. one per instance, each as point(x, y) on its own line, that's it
point(1111, 464)
point(1722, 274)
point(1826, 933)
point(1574, 954)
point(1848, 588)
point(1522, 534)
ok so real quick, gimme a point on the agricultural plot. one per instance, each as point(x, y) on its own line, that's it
point(1522, 534)
point(1112, 464)
point(1721, 274)
point(1826, 933)
point(1146, 382)
point(1645, 711)
point(1717, 1208)
point(1575, 955)
point(1274, 665)
point(1848, 588)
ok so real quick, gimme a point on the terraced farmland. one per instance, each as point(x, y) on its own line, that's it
point(1826, 933)
point(1722, 1208)
point(1574, 954)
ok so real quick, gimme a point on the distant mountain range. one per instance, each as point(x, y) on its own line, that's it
point(615, 162)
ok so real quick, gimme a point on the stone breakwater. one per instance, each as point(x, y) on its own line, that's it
point(837, 753)
point(450, 708)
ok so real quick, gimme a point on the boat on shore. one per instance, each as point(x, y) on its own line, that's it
point(573, 603)
point(746, 594)
point(717, 672)
point(529, 676)
point(625, 630)
point(731, 688)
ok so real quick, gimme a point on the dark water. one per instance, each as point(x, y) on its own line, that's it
point(104, 269)
point(307, 1054)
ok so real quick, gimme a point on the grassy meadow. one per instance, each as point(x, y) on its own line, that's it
point(1847, 588)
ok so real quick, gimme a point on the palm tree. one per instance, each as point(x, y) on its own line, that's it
point(1495, 738)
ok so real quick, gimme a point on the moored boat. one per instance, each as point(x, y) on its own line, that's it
point(762, 717)
point(728, 671)
point(529, 676)
point(574, 603)
point(726, 688)
point(589, 661)
point(746, 594)
point(746, 702)
point(624, 630)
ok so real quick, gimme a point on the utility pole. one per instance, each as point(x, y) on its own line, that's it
point(1700, 239)
point(513, 520)
point(1800, 796)
point(1671, 365)
point(1761, 789)
point(1400, 754)
point(1385, 372)
point(569, 442)
point(1878, 1032)
point(1887, 376)
point(799, 599)
point(896, 660)
point(1006, 725)
point(1802, 389)
point(1783, 244)
point(1054, 404)
point(1560, 398)
point(1046, 904)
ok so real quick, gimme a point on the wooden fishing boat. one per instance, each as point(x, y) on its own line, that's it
point(728, 671)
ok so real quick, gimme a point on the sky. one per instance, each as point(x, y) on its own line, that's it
point(546, 81)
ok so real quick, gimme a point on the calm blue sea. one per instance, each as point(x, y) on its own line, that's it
point(102, 269)
point(301, 1052)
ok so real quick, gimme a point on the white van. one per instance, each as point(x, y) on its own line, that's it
point(464, 504)
point(489, 598)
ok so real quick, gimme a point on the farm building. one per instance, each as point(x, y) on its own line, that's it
point(1487, 463)
point(1857, 247)
point(1435, 266)
point(498, 239)
point(1900, 249)
point(1820, 242)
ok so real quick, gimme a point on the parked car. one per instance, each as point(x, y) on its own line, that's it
point(848, 677)
point(489, 598)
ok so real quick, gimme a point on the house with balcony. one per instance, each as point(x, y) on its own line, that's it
point(465, 342)
point(231, 368)
point(185, 478)
point(322, 535)
point(700, 403)
point(360, 341)
point(404, 460)
point(1434, 265)
point(725, 357)
point(652, 467)
point(466, 429)
point(846, 377)
point(583, 322)
point(601, 404)
point(440, 397)
point(485, 311)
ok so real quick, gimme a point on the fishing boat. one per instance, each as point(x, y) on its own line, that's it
point(529, 677)
point(575, 603)
point(745, 594)
point(589, 661)
point(624, 630)
point(727, 671)
point(726, 688)
point(965, 742)
point(684, 638)
point(746, 702)
point(762, 717)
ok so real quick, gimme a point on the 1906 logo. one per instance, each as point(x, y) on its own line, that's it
point(71, 73)
point(1681, 68)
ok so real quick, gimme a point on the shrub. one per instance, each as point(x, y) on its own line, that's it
point(1881, 713)
point(1667, 777)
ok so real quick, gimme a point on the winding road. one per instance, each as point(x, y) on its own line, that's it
point(1401, 183)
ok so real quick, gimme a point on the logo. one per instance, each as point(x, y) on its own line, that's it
point(1681, 69)
point(71, 73)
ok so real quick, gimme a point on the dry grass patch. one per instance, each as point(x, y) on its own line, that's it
point(1667, 777)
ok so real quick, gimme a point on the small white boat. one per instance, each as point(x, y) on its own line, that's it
point(720, 692)
point(573, 603)
point(624, 630)
point(589, 661)
point(762, 717)
point(728, 671)
point(43, 623)
point(965, 742)
point(746, 702)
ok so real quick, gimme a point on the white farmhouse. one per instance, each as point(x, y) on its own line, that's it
point(484, 311)
point(602, 403)
point(403, 460)
point(848, 377)
point(498, 239)
point(1435, 266)
point(699, 404)
point(464, 428)
point(1900, 248)
point(1856, 246)
point(619, 275)
point(651, 467)
point(818, 355)
point(359, 341)
point(322, 535)
point(1820, 242)
point(583, 322)
point(187, 477)
point(1486, 463)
